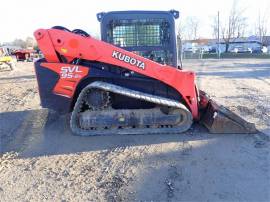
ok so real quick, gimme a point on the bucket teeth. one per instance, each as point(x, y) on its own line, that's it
point(219, 119)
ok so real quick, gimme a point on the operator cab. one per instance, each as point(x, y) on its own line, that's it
point(150, 34)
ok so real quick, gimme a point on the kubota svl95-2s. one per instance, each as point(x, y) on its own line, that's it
point(127, 83)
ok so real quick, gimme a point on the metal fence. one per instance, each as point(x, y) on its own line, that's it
point(205, 55)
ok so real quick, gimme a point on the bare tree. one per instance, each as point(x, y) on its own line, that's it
point(19, 42)
point(180, 28)
point(215, 27)
point(261, 27)
point(180, 38)
point(191, 28)
point(235, 26)
point(30, 42)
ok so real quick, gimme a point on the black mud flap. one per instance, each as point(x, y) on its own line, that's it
point(219, 119)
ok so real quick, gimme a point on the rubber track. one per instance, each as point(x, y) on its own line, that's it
point(130, 93)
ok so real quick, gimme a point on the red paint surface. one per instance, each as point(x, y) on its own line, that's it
point(66, 86)
point(74, 46)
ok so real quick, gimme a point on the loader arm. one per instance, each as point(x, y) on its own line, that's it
point(54, 42)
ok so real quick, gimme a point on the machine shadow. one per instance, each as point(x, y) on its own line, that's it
point(40, 132)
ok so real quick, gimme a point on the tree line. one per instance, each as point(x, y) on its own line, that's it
point(234, 26)
point(23, 43)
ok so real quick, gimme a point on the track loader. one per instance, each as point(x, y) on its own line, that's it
point(128, 82)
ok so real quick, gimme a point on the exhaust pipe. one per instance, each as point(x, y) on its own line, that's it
point(218, 119)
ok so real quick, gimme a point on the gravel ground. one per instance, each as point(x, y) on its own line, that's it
point(40, 160)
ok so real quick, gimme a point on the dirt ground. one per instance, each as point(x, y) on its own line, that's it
point(40, 160)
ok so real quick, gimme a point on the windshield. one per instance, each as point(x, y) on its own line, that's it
point(139, 32)
point(147, 37)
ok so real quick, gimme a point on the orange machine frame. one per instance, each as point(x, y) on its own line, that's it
point(73, 46)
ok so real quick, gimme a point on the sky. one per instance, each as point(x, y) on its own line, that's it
point(22, 17)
